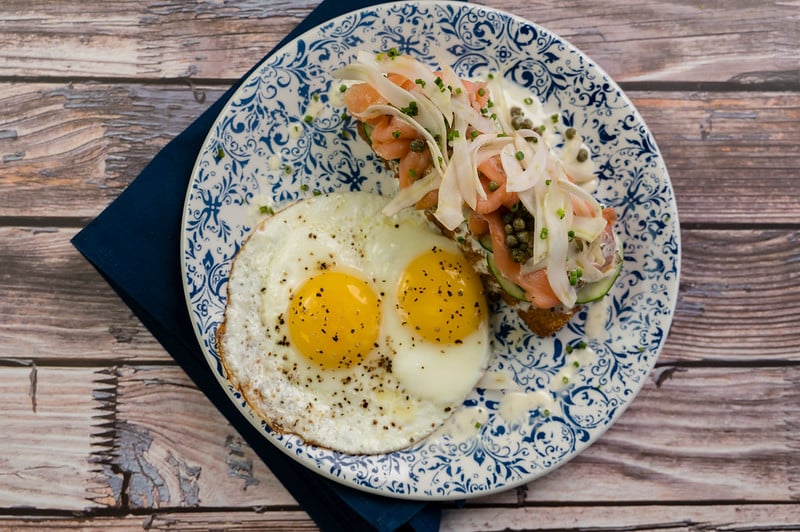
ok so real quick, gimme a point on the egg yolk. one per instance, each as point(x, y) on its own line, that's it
point(441, 297)
point(334, 319)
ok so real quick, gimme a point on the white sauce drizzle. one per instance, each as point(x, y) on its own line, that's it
point(596, 317)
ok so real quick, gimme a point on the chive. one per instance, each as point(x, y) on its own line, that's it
point(315, 97)
point(420, 82)
point(308, 119)
point(548, 181)
point(484, 110)
point(489, 103)
point(392, 52)
point(266, 209)
point(576, 364)
point(458, 90)
point(477, 424)
point(304, 187)
point(412, 173)
point(491, 76)
point(481, 92)
point(561, 213)
point(519, 155)
point(543, 233)
point(554, 118)
point(220, 153)
point(569, 349)
point(342, 87)
point(287, 169)
point(396, 133)
point(344, 135)
point(571, 234)
point(546, 412)
point(474, 134)
point(528, 100)
point(439, 83)
point(411, 110)
point(565, 379)
point(582, 345)
point(317, 192)
point(453, 134)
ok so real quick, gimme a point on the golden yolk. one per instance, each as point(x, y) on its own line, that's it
point(334, 319)
point(441, 297)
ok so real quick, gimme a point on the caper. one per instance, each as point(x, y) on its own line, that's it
point(582, 155)
point(511, 241)
point(523, 236)
point(518, 255)
point(509, 229)
point(516, 111)
point(570, 133)
point(518, 223)
point(519, 122)
point(507, 217)
point(417, 145)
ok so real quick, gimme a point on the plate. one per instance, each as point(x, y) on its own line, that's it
point(282, 136)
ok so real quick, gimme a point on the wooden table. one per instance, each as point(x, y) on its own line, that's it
point(100, 428)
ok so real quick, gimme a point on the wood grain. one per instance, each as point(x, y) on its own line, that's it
point(741, 143)
point(49, 416)
point(144, 438)
point(738, 41)
point(720, 518)
point(51, 299)
point(678, 518)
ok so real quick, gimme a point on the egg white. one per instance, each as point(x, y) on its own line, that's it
point(405, 389)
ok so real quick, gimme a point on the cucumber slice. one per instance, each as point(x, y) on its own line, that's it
point(366, 131)
point(486, 242)
point(512, 289)
point(597, 290)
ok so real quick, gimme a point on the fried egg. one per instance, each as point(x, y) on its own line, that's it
point(356, 331)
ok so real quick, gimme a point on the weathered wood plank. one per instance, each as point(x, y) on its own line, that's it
point(258, 519)
point(145, 438)
point(656, 40)
point(107, 133)
point(179, 451)
point(738, 297)
point(724, 434)
point(44, 281)
point(49, 417)
point(762, 517)
point(56, 306)
point(717, 518)
point(742, 143)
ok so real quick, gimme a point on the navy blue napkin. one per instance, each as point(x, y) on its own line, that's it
point(134, 244)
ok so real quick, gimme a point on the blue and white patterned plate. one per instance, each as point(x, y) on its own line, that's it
point(262, 150)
